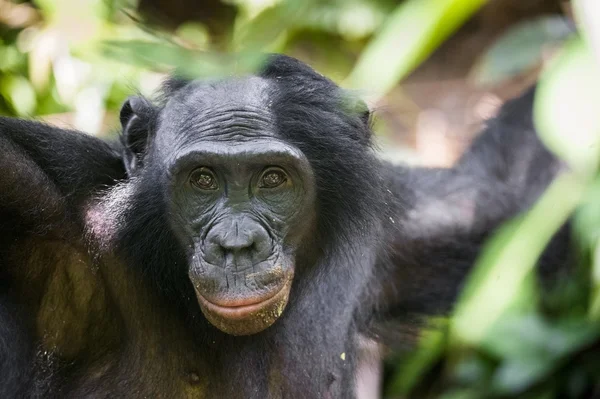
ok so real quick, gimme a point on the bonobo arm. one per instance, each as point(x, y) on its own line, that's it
point(440, 218)
point(46, 172)
point(47, 175)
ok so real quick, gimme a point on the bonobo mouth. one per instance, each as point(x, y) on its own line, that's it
point(242, 308)
point(249, 311)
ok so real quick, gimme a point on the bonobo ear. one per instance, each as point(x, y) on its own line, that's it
point(135, 117)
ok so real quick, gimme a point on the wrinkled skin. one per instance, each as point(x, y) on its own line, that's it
point(241, 201)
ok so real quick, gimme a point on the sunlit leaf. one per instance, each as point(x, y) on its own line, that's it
point(566, 107)
point(194, 33)
point(409, 36)
point(587, 13)
point(19, 94)
point(353, 20)
point(260, 33)
point(166, 57)
point(10, 58)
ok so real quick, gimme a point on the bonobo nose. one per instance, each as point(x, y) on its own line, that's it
point(236, 243)
point(239, 240)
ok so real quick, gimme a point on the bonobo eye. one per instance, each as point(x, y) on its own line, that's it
point(204, 179)
point(272, 177)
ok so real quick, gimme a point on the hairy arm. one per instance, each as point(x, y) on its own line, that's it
point(444, 216)
point(46, 176)
point(46, 172)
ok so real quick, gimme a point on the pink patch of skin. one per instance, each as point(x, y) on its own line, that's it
point(99, 226)
point(103, 216)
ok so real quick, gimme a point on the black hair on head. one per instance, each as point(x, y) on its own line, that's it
point(331, 129)
point(170, 86)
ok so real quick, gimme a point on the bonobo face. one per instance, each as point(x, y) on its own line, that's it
point(241, 200)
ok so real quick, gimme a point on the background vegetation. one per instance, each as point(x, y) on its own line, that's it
point(434, 69)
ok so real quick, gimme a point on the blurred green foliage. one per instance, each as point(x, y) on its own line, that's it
point(84, 56)
point(422, 25)
point(505, 338)
point(508, 337)
point(50, 61)
point(520, 49)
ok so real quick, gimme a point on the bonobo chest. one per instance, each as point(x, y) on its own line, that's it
point(160, 362)
point(142, 370)
point(138, 371)
point(133, 345)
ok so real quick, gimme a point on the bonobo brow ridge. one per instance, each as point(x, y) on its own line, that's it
point(223, 121)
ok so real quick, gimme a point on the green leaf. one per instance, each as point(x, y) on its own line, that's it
point(595, 302)
point(409, 36)
point(353, 20)
point(194, 33)
point(430, 348)
point(586, 13)
point(566, 108)
point(460, 394)
point(587, 218)
point(166, 57)
point(267, 28)
point(10, 59)
point(537, 337)
point(531, 348)
point(19, 94)
point(520, 49)
point(503, 269)
point(587, 229)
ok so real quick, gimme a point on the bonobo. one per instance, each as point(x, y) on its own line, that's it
point(236, 242)
point(240, 197)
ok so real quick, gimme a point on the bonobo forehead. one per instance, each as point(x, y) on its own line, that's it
point(232, 110)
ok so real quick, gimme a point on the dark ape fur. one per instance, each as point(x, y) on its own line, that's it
point(101, 278)
point(455, 210)
point(16, 352)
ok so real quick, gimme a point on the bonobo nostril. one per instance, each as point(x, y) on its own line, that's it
point(237, 236)
point(237, 243)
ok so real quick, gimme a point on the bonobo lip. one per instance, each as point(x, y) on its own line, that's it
point(241, 308)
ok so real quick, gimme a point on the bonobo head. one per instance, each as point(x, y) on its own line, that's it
point(236, 162)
